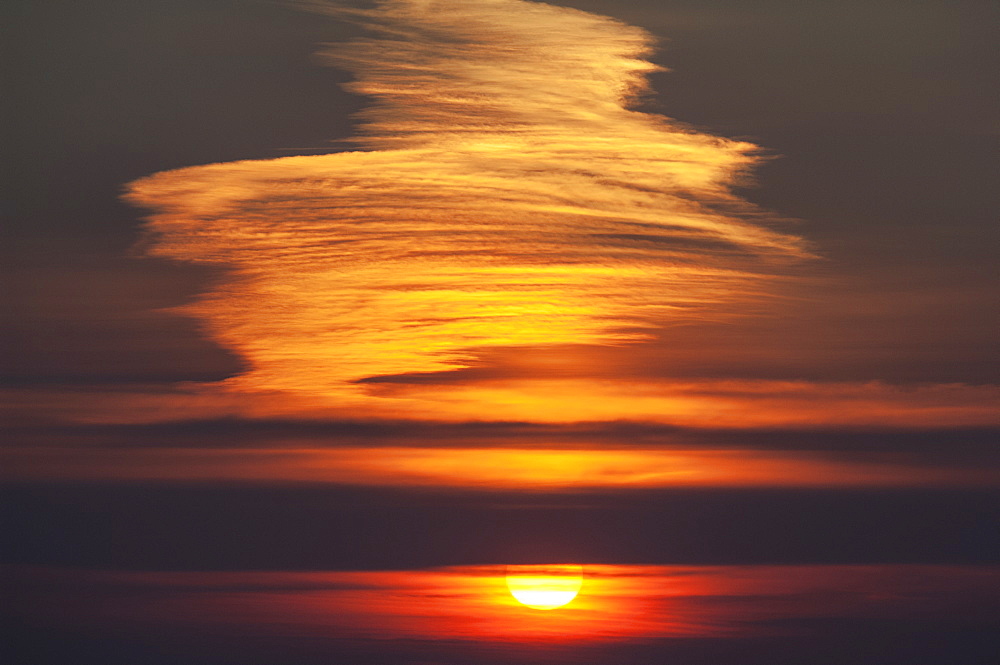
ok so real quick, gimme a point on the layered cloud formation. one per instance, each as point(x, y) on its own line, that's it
point(509, 218)
point(507, 197)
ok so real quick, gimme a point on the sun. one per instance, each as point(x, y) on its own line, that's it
point(545, 587)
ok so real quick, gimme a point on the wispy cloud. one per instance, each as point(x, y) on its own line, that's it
point(529, 469)
point(510, 217)
point(508, 197)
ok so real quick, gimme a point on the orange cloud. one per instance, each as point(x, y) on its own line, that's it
point(509, 198)
point(529, 469)
point(711, 404)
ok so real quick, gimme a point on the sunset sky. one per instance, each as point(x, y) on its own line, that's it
point(674, 290)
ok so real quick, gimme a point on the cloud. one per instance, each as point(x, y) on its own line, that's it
point(507, 197)
point(726, 435)
point(531, 469)
point(706, 404)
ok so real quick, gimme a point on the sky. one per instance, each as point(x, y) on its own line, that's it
point(670, 289)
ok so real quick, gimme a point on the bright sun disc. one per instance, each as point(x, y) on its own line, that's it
point(545, 587)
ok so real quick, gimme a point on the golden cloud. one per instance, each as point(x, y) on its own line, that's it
point(508, 196)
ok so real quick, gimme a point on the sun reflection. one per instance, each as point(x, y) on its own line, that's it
point(545, 587)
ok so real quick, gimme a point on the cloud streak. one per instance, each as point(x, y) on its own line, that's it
point(507, 196)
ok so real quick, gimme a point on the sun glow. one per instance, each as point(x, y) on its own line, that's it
point(545, 587)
